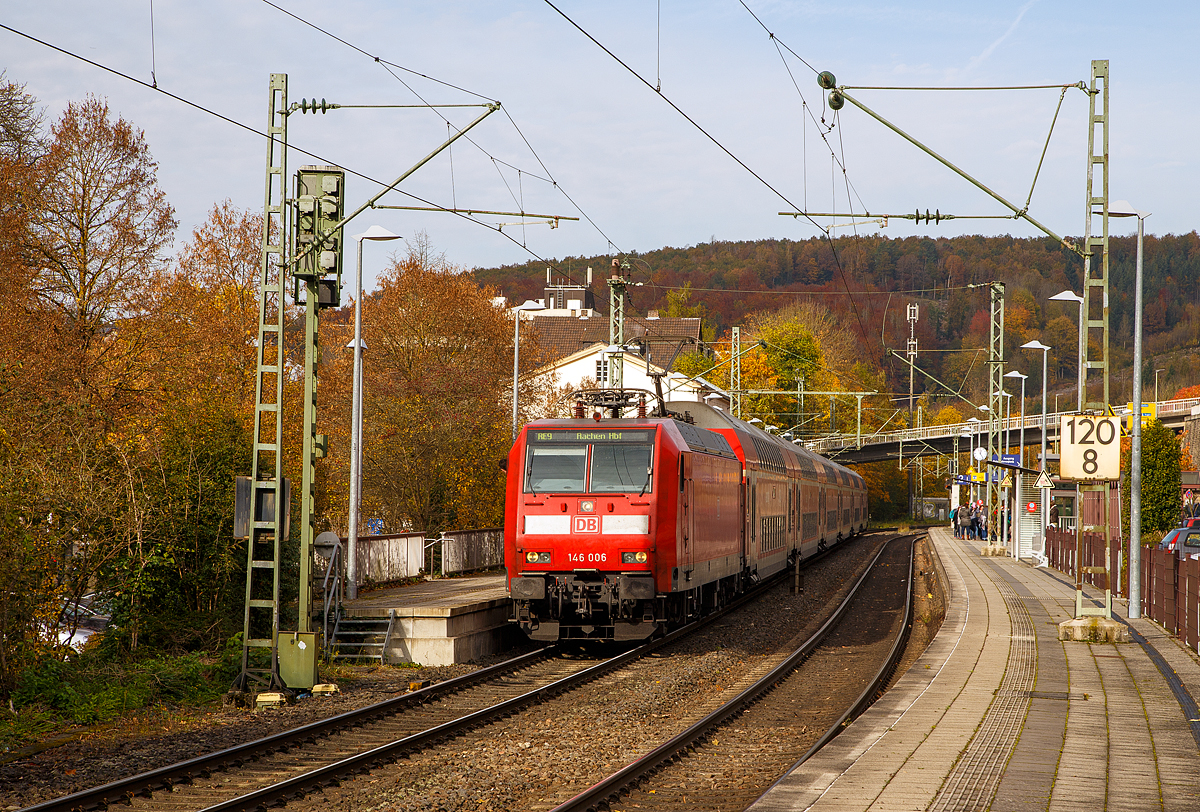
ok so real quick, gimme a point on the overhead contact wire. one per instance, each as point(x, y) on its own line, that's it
point(261, 134)
point(718, 144)
point(386, 64)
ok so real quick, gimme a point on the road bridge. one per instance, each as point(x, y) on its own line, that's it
point(939, 440)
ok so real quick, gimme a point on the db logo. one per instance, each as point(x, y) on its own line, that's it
point(586, 524)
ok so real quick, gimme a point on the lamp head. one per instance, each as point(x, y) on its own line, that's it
point(1121, 208)
point(1067, 296)
point(377, 233)
point(1034, 345)
point(1014, 374)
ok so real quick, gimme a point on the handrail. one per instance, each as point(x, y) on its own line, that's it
point(333, 597)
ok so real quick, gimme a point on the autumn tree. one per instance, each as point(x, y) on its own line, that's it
point(437, 388)
point(89, 233)
point(26, 553)
point(21, 139)
point(182, 579)
point(102, 223)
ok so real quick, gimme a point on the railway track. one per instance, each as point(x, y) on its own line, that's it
point(288, 765)
point(727, 759)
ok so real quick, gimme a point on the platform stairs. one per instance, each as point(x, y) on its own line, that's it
point(361, 638)
point(349, 638)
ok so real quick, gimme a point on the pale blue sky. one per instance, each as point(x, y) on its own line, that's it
point(644, 175)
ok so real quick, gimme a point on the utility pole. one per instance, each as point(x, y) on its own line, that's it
point(995, 397)
point(616, 326)
point(1095, 261)
point(1095, 295)
point(735, 372)
point(268, 496)
point(312, 255)
point(912, 363)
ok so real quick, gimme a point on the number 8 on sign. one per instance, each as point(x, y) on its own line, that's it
point(1091, 447)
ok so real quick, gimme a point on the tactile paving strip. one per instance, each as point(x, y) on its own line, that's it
point(972, 783)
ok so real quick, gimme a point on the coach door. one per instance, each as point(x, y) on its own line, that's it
point(687, 497)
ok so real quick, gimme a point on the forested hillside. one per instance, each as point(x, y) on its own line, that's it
point(867, 282)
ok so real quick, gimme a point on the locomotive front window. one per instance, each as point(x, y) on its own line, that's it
point(589, 461)
point(621, 468)
point(555, 468)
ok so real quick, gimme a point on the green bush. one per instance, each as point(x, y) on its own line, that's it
point(91, 688)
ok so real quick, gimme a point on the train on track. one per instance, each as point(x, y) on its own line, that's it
point(617, 528)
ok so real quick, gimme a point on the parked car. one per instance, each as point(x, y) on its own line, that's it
point(1183, 541)
point(79, 620)
point(1194, 521)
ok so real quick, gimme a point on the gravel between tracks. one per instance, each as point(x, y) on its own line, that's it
point(532, 761)
point(546, 755)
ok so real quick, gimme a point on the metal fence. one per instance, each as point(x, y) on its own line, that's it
point(1063, 556)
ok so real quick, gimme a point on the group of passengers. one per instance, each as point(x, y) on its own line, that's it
point(970, 520)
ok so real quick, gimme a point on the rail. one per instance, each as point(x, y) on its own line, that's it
point(164, 778)
point(607, 792)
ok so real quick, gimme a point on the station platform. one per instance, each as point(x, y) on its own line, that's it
point(439, 622)
point(999, 715)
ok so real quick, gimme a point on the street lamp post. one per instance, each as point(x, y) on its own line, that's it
point(1156, 383)
point(971, 491)
point(1005, 510)
point(1037, 345)
point(1018, 496)
point(1121, 208)
point(378, 234)
point(530, 306)
point(1069, 296)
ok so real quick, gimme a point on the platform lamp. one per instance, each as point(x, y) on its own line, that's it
point(1121, 208)
point(1017, 495)
point(1037, 345)
point(974, 430)
point(530, 306)
point(1071, 296)
point(970, 438)
point(375, 233)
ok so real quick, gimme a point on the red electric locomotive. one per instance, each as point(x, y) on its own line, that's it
point(616, 528)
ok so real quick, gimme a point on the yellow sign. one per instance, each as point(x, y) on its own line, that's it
point(1149, 415)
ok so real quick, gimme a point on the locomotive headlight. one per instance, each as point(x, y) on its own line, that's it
point(587, 506)
point(634, 558)
point(537, 558)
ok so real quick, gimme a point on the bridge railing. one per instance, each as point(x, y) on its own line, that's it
point(823, 445)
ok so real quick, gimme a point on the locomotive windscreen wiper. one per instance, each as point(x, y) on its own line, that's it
point(649, 473)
